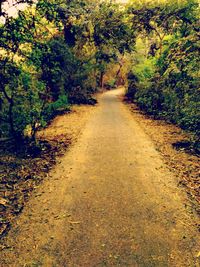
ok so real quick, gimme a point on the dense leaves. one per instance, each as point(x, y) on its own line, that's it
point(58, 52)
point(54, 53)
point(167, 63)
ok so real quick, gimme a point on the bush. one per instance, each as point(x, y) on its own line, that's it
point(111, 84)
point(132, 85)
point(168, 86)
point(55, 108)
point(79, 96)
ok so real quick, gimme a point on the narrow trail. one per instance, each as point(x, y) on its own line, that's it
point(110, 202)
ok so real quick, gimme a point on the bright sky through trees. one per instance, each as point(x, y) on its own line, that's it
point(11, 8)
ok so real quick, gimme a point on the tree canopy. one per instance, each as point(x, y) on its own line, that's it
point(54, 53)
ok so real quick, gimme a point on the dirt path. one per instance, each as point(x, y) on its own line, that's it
point(110, 202)
point(167, 139)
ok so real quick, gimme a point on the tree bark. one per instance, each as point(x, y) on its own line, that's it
point(102, 79)
point(11, 122)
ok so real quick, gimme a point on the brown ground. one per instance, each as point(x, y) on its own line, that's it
point(70, 125)
point(110, 201)
point(21, 173)
point(185, 165)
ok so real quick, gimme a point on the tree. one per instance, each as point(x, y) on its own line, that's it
point(168, 84)
point(112, 35)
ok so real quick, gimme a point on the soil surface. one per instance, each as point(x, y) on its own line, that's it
point(169, 140)
point(23, 170)
point(110, 201)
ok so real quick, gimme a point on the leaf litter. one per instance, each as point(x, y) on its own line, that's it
point(22, 172)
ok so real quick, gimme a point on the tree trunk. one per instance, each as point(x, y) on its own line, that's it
point(102, 79)
point(117, 74)
point(11, 122)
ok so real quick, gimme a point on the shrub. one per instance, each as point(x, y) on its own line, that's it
point(54, 108)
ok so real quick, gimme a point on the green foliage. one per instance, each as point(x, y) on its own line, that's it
point(57, 52)
point(58, 66)
point(165, 81)
point(22, 105)
point(132, 85)
point(54, 108)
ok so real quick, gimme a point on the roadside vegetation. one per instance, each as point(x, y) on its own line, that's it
point(164, 79)
point(54, 54)
point(57, 53)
